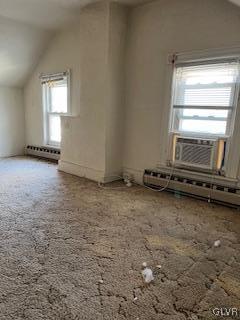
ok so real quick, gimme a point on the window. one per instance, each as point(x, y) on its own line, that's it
point(55, 95)
point(204, 97)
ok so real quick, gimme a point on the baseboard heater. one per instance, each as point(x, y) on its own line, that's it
point(218, 193)
point(44, 152)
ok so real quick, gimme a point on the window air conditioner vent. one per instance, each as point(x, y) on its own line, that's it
point(197, 153)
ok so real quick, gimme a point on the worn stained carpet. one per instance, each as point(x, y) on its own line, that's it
point(70, 250)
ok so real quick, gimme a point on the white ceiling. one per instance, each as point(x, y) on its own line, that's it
point(48, 14)
point(20, 48)
point(237, 2)
point(26, 27)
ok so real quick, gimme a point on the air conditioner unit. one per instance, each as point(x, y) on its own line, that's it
point(198, 153)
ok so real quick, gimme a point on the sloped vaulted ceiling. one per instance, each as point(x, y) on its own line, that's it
point(26, 26)
point(20, 48)
point(237, 2)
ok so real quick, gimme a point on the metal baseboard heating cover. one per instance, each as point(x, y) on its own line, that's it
point(43, 152)
point(219, 193)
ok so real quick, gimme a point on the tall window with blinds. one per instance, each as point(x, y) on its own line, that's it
point(55, 103)
point(204, 97)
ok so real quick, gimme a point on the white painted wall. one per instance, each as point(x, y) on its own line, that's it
point(82, 48)
point(99, 127)
point(155, 30)
point(12, 122)
point(93, 49)
point(118, 17)
point(123, 121)
point(62, 53)
point(83, 144)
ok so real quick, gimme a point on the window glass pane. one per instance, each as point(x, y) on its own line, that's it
point(58, 98)
point(205, 113)
point(204, 85)
point(203, 126)
point(54, 128)
point(207, 74)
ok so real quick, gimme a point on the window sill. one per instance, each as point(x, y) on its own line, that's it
point(200, 135)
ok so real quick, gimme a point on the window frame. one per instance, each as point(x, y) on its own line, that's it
point(47, 113)
point(230, 119)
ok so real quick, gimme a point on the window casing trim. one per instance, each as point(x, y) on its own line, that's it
point(46, 99)
point(231, 108)
point(232, 156)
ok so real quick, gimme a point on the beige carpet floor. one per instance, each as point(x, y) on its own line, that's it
point(71, 250)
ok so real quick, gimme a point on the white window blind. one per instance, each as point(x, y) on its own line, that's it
point(204, 97)
point(48, 78)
